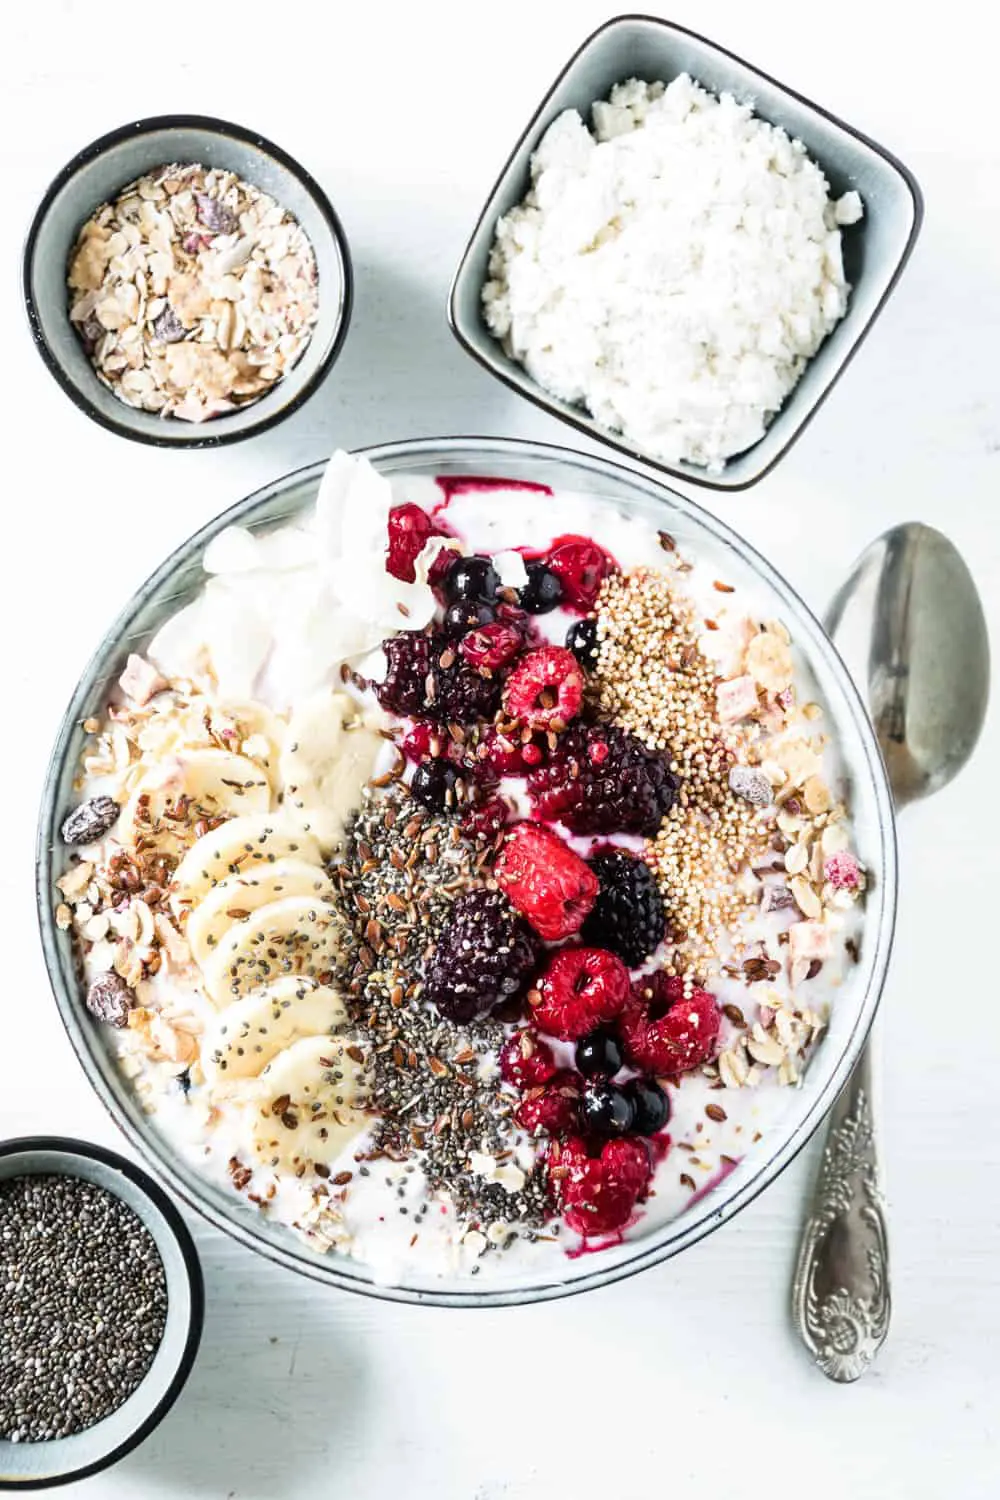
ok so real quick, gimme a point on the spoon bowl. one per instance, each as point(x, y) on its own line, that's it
point(910, 624)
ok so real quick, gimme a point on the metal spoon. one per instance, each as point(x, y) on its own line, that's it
point(910, 625)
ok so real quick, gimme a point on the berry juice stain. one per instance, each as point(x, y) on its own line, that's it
point(728, 1165)
point(451, 485)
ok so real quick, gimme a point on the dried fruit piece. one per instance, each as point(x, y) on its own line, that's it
point(109, 999)
point(168, 327)
point(90, 821)
point(843, 871)
point(581, 989)
point(751, 784)
point(216, 216)
point(545, 881)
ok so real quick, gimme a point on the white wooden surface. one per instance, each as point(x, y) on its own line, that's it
point(685, 1381)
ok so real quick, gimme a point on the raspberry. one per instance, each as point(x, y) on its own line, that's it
point(601, 779)
point(581, 567)
point(554, 1108)
point(526, 1060)
point(598, 1194)
point(417, 685)
point(486, 819)
point(665, 1033)
point(545, 881)
point(491, 646)
point(499, 755)
point(484, 956)
point(409, 527)
point(581, 989)
point(628, 916)
point(545, 689)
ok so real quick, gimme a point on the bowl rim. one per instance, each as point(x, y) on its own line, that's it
point(326, 1270)
point(533, 392)
point(69, 1148)
point(198, 438)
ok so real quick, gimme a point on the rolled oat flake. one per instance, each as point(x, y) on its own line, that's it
point(83, 1303)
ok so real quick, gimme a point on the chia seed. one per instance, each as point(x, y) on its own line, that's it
point(423, 1070)
point(83, 1302)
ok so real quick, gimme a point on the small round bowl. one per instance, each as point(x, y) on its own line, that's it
point(96, 174)
point(29, 1466)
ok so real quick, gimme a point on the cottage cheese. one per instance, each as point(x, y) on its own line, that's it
point(673, 270)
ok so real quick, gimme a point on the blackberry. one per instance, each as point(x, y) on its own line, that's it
point(628, 917)
point(601, 779)
point(581, 639)
point(417, 685)
point(485, 955)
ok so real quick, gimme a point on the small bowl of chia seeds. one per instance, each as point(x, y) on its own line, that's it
point(101, 1307)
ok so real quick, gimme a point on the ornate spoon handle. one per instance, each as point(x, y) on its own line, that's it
point(840, 1295)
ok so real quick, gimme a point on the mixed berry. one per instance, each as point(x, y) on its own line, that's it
point(502, 733)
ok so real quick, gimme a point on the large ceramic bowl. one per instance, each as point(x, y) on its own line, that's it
point(174, 583)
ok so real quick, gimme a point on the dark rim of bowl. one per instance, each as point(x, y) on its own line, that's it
point(472, 1298)
point(540, 397)
point(260, 143)
point(196, 1283)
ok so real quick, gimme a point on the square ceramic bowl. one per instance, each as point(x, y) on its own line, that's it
point(30, 1466)
point(875, 251)
point(98, 173)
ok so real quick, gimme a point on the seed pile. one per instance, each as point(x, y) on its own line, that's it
point(83, 1302)
point(653, 679)
point(401, 871)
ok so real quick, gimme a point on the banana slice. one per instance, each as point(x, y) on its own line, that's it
point(194, 784)
point(301, 1107)
point(330, 752)
point(236, 848)
point(236, 898)
point(294, 936)
point(259, 733)
point(244, 1037)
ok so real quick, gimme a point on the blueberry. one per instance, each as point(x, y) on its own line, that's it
point(599, 1055)
point(606, 1110)
point(581, 639)
point(467, 614)
point(543, 590)
point(472, 578)
point(434, 783)
point(650, 1104)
